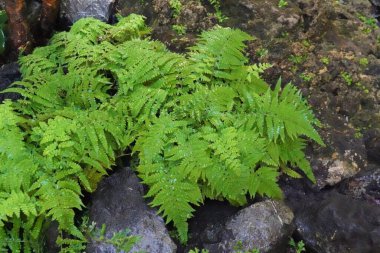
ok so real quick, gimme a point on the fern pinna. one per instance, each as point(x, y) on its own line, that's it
point(203, 125)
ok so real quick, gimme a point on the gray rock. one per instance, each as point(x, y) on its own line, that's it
point(265, 226)
point(72, 10)
point(119, 204)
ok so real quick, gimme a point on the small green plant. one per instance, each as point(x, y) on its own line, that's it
point(176, 7)
point(347, 78)
point(3, 20)
point(364, 62)
point(238, 248)
point(325, 60)
point(298, 247)
point(179, 29)
point(122, 240)
point(262, 52)
point(297, 59)
point(306, 43)
point(307, 77)
point(282, 3)
point(371, 23)
point(362, 87)
point(284, 35)
point(218, 12)
point(196, 250)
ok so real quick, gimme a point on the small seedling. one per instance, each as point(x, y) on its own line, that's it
point(325, 60)
point(261, 52)
point(282, 3)
point(347, 78)
point(298, 247)
point(307, 77)
point(297, 59)
point(179, 29)
point(176, 7)
point(363, 62)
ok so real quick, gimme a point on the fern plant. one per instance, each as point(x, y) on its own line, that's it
point(203, 124)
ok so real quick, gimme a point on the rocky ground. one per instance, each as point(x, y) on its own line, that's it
point(331, 51)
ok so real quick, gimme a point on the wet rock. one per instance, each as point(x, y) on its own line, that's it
point(372, 142)
point(72, 10)
point(365, 186)
point(119, 204)
point(344, 156)
point(265, 226)
point(9, 73)
point(331, 222)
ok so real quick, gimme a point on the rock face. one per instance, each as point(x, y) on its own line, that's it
point(334, 222)
point(72, 10)
point(119, 204)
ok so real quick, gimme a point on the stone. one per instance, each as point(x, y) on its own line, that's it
point(72, 10)
point(265, 226)
point(119, 204)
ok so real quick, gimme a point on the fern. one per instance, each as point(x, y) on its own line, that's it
point(202, 124)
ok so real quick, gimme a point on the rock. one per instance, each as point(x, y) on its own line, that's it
point(375, 2)
point(265, 226)
point(372, 143)
point(72, 10)
point(119, 204)
point(9, 73)
point(331, 222)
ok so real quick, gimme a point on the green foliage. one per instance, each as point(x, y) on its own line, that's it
point(179, 29)
point(347, 78)
point(196, 250)
point(202, 124)
point(282, 3)
point(218, 12)
point(176, 7)
point(122, 241)
point(298, 247)
point(325, 60)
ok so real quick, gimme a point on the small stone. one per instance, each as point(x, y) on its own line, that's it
point(265, 226)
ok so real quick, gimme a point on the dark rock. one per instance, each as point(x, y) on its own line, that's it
point(265, 226)
point(331, 222)
point(208, 224)
point(119, 204)
point(365, 186)
point(72, 10)
point(372, 143)
point(9, 73)
point(375, 2)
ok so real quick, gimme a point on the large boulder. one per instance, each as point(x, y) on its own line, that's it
point(72, 10)
point(119, 204)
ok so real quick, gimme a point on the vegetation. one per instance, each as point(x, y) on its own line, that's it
point(203, 125)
